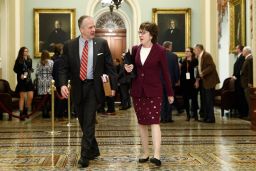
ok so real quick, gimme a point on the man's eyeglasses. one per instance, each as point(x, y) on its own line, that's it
point(142, 32)
point(187, 51)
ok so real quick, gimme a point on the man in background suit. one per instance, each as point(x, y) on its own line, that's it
point(208, 77)
point(87, 88)
point(173, 66)
point(242, 105)
point(247, 75)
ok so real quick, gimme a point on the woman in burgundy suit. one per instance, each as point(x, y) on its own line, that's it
point(149, 62)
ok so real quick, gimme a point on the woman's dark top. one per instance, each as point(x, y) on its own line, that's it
point(188, 66)
point(23, 67)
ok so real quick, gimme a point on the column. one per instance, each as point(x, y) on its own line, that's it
point(253, 90)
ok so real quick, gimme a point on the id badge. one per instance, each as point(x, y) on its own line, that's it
point(188, 76)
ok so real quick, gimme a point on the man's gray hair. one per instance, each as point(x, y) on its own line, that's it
point(167, 44)
point(80, 20)
point(200, 46)
point(247, 49)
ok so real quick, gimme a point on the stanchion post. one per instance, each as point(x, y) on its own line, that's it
point(69, 113)
point(53, 88)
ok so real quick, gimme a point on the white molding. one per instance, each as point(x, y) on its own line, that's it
point(126, 21)
point(254, 42)
point(4, 38)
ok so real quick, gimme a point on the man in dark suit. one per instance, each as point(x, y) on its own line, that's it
point(173, 66)
point(208, 76)
point(174, 35)
point(242, 105)
point(86, 59)
point(247, 75)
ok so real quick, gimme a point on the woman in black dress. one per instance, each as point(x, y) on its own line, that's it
point(23, 69)
point(187, 82)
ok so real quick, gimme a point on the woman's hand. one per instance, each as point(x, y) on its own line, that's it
point(170, 99)
point(113, 92)
point(128, 68)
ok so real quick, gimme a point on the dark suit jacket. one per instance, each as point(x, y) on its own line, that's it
point(147, 82)
point(246, 72)
point(238, 66)
point(209, 73)
point(173, 67)
point(102, 64)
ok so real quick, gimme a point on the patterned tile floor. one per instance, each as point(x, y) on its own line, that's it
point(227, 145)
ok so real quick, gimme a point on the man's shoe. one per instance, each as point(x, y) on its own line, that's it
point(170, 120)
point(111, 112)
point(102, 111)
point(163, 121)
point(83, 162)
point(94, 156)
point(143, 160)
point(210, 121)
point(155, 161)
point(124, 108)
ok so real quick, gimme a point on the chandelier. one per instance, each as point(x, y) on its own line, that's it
point(111, 4)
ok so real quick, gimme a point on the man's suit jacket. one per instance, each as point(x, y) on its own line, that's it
point(147, 82)
point(208, 70)
point(247, 72)
point(173, 67)
point(102, 64)
point(238, 66)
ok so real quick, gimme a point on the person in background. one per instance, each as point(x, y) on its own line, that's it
point(247, 75)
point(44, 77)
point(242, 105)
point(124, 81)
point(60, 104)
point(23, 69)
point(109, 100)
point(173, 68)
point(149, 61)
point(208, 78)
point(188, 81)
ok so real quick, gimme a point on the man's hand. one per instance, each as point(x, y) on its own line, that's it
point(128, 68)
point(64, 91)
point(170, 99)
point(234, 77)
point(177, 83)
point(196, 84)
point(113, 92)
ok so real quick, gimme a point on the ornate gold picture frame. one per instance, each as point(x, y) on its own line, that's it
point(51, 27)
point(175, 26)
point(237, 23)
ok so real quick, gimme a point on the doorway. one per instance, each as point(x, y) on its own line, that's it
point(112, 28)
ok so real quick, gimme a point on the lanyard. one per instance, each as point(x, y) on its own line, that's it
point(187, 65)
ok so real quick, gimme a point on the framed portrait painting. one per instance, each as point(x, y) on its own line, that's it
point(237, 23)
point(52, 27)
point(174, 26)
